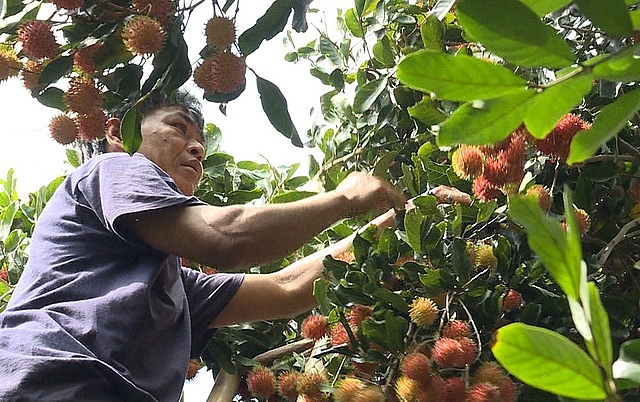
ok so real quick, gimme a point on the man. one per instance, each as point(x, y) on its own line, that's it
point(103, 310)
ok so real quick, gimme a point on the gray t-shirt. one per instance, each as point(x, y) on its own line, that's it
point(97, 315)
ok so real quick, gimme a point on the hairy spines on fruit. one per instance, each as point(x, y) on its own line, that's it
point(92, 125)
point(261, 382)
point(82, 96)
point(423, 311)
point(467, 162)
point(314, 327)
point(143, 35)
point(37, 40)
point(63, 129)
point(220, 33)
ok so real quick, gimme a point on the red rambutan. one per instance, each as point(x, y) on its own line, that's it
point(455, 390)
point(358, 313)
point(416, 366)
point(37, 39)
point(261, 382)
point(227, 72)
point(192, 369)
point(512, 300)
point(314, 327)
point(143, 35)
point(456, 329)
point(220, 33)
point(484, 392)
point(63, 129)
point(449, 353)
point(485, 190)
point(83, 58)
point(558, 141)
point(82, 96)
point(92, 125)
point(287, 383)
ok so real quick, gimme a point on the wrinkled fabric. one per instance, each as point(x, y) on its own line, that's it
point(97, 315)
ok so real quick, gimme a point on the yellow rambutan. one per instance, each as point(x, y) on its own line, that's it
point(485, 258)
point(467, 162)
point(542, 194)
point(423, 311)
point(347, 388)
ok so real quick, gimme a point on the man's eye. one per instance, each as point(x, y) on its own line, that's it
point(181, 126)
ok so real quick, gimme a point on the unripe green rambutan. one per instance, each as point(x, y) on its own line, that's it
point(314, 327)
point(37, 40)
point(416, 366)
point(542, 194)
point(92, 125)
point(220, 33)
point(143, 35)
point(261, 382)
point(82, 96)
point(456, 329)
point(347, 389)
point(63, 129)
point(467, 162)
point(227, 72)
point(287, 385)
point(68, 4)
point(485, 258)
point(423, 311)
point(9, 65)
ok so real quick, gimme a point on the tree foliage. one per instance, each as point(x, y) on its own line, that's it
point(530, 107)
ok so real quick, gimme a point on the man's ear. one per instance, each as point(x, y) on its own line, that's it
point(113, 136)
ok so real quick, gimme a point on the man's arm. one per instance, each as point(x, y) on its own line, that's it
point(241, 236)
point(288, 292)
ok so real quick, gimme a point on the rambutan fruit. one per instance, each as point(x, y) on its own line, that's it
point(495, 171)
point(484, 392)
point(192, 369)
point(309, 384)
point(314, 327)
point(454, 390)
point(406, 389)
point(82, 96)
point(261, 382)
point(227, 72)
point(456, 329)
point(583, 220)
point(339, 335)
point(9, 65)
point(4, 275)
point(423, 311)
point(220, 33)
point(512, 300)
point(287, 385)
point(369, 394)
point(558, 141)
point(467, 162)
point(416, 366)
point(143, 35)
point(493, 373)
point(450, 353)
point(83, 58)
point(37, 40)
point(31, 74)
point(542, 194)
point(347, 389)
point(202, 76)
point(63, 129)
point(68, 4)
point(435, 388)
point(92, 125)
point(485, 258)
point(485, 190)
point(358, 313)
point(161, 10)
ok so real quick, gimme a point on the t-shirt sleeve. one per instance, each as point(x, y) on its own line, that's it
point(207, 296)
point(125, 184)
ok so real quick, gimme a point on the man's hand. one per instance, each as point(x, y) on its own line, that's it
point(364, 193)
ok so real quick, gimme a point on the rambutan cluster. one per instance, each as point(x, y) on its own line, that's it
point(557, 143)
point(221, 70)
point(84, 99)
point(495, 169)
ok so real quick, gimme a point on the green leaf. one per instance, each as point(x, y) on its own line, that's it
point(291, 196)
point(624, 66)
point(431, 32)
point(329, 50)
point(544, 7)
point(427, 112)
point(556, 100)
point(266, 27)
point(52, 97)
point(627, 367)
point(549, 241)
point(6, 218)
point(546, 360)
point(485, 122)
point(130, 130)
point(274, 105)
point(352, 21)
point(55, 70)
point(441, 8)
point(514, 32)
point(415, 227)
point(367, 94)
point(611, 16)
point(600, 329)
point(73, 157)
point(12, 241)
point(461, 78)
point(383, 53)
point(607, 124)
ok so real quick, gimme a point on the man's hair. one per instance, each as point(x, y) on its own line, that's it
point(154, 101)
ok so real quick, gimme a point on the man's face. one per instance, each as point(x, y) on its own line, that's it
point(172, 140)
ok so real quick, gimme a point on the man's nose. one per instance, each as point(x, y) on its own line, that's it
point(196, 149)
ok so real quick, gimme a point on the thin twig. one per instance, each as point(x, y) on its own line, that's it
point(603, 254)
